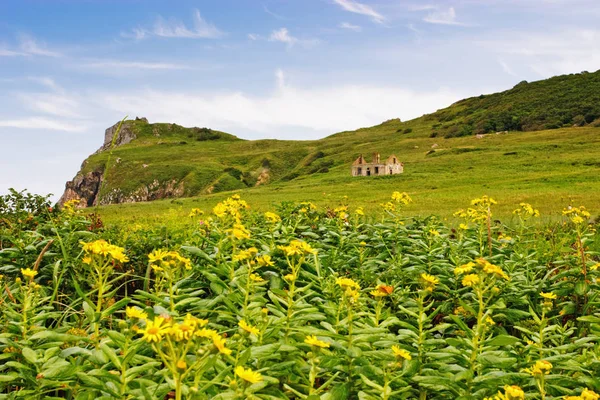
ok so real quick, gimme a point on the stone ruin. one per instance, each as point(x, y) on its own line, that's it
point(391, 166)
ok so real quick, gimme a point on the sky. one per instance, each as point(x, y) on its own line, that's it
point(286, 69)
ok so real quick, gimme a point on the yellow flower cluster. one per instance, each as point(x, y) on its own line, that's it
point(350, 287)
point(71, 206)
point(483, 202)
point(155, 331)
point(313, 341)
point(541, 367)
point(233, 207)
point(297, 247)
point(483, 266)
point(103, 248)
point(272, 217)
point(359, 211)
point(248, 375)
point(245, 254)
point(402, 198)
point(196, 212)
point(510, 393)
point(239, 232)
point(340, 212)
point(471, 214)
point(135, 313)
point(577, 215)
point(526, 211)
point(585, 395)
point(161, 260)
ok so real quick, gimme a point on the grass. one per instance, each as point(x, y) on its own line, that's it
point(550, 169)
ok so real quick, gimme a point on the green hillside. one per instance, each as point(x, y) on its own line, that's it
point(443, 169)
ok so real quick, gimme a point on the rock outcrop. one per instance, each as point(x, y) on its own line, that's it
point(126, 135)
point(84, 187)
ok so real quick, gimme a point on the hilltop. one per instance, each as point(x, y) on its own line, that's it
point(454, 153)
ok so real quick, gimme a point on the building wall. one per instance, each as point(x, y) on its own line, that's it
point(377, 169)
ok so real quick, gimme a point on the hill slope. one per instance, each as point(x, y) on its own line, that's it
point(165, 160)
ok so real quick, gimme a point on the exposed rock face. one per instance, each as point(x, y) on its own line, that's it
point(84, 188)
point(154, 191)
point(126, 135)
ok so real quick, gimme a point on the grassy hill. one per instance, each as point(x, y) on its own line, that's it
point(444, 167)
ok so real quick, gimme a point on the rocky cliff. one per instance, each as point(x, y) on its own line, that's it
point(157, 163)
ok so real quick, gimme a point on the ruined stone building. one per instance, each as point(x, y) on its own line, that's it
point(391, 166)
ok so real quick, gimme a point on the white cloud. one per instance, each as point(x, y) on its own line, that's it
point(564, 52)
point(271, 13)
point(283, 35)
point(253, 36)
point(177, 29)
point(360, 8)
point(10, 53)
point(41, 123)
point(135, 65)
point(136, 33)
point(444, 17)
point(30, 47)
point(59, 105)
point(349, 26)
point(314, 111)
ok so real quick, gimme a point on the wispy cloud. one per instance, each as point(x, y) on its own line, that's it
point(28, 46)
point(139, 65)
point(173, 28)
point(31, 47)
point(271, 13)
point(41, 123)
point(283, 35)
point(253, 36)
point(506, 68)
point(349, 26)
point(442, 16)
point(360, 8)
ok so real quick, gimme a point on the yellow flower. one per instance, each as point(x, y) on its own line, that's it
point(541, 367)
point(195, 212)
point(245, 254)
point(434, 232)
point(464, 227)
point(272, 217)
point(28, 273)
point(429, 280)
point(219, 343)
point(206, 333)
point(313, 341)
point(347, 283)
point(548, 296)
point(248, 375)
point(183, 330)
point(359, 211)
point(290, 277)
point(157, 255)
point(239, 232)
point(297, 247)
point(135, 313)
point(589, 395)
point(403, 198)
point(490, 321)
point(470, 280)
point(256, 278)
point(401, 353)
point(154, 330)
point(265, 261)
point(248, 328)
point(464, 268)
point(181, 364)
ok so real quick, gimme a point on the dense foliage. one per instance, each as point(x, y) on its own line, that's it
point(564, 100)
point(302, 303)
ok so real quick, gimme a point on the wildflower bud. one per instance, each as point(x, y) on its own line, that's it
point(122, 325)
point(18, 280)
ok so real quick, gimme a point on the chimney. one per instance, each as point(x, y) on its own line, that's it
point(376, 159)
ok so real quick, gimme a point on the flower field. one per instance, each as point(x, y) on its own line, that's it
point(299, 303)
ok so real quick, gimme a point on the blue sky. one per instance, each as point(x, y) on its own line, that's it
point(288, 69)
